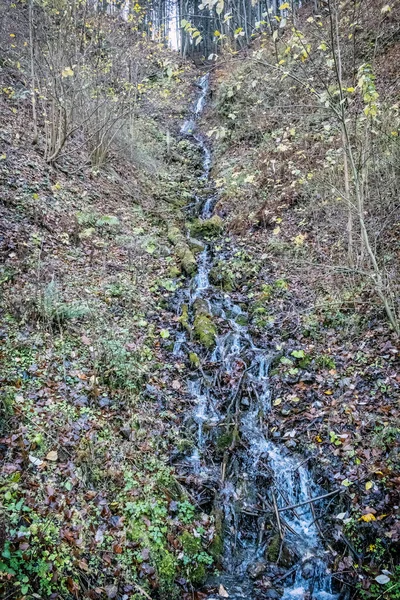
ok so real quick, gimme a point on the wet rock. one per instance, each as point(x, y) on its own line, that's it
point(256, 569)
point(307, 377)
point(291, 444)
point(273, 594)
point(276, 549)
point(273, 570)
point(308, 570)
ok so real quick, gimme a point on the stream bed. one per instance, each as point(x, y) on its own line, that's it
point(269, 550)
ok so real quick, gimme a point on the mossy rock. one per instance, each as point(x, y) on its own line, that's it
point(205, 330)
point(175, 235)
point(273, 552)
point(200, 307)
point(188, 261)
point(184, 318)
point(203, 325)
point(208, 227)
point(196, 246)
point(182, 250)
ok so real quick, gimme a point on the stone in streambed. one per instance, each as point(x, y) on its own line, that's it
point(182, 250)
point(211, 227)
point(203, 325)
point(205, 330)
point(257, 569)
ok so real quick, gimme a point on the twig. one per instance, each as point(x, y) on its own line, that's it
point(278, 520)
point(309, 501)
point(142, 591)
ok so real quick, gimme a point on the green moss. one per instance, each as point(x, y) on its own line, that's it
point(274, 548)
point(190, 544)
point(216, 547)
point(194, 359)
point(198, 574)
point(225, 440)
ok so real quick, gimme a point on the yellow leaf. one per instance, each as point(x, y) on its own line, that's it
point(3, 157)
point(284, 6)
point(277, 402)
point(351, 90)
point(369, 485)
point(328, 392)
point(276, 230)
point(368, 517)
point(299, 239)
point(318, 439)
point(67, 72)
point(12, 34)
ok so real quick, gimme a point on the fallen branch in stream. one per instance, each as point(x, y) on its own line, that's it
point(277, 516)
point(309, 501)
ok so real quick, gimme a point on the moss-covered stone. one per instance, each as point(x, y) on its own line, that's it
point(205, 330)
point(182, 250)
point(196, 246)
point(273, 548)
point(208, 227)
point(203, 326)
point(184, 318)
point(188, 261)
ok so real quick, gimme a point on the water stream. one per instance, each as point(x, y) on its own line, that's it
point(253, 476)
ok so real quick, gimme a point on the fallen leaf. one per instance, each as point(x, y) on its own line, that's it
point(35, 461)
point(367, 518)
point(222, 592)
point(369, 485)
point(382, 579)
point(53, 456)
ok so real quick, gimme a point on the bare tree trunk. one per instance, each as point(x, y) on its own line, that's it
point(33, 79)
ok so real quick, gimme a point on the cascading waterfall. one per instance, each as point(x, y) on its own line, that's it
point(261, 477)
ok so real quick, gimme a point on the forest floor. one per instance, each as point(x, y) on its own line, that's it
point(93, 400)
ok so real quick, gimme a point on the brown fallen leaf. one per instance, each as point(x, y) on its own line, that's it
point(53, 456)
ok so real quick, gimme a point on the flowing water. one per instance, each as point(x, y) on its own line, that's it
point(255, 478)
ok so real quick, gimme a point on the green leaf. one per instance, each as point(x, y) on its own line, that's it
point(347, 482)
point(164, 333)
point(298, 353)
